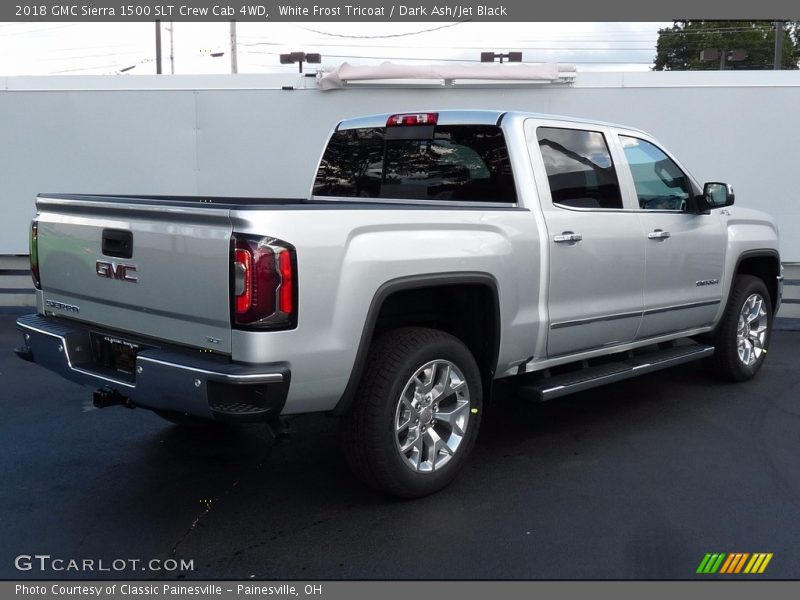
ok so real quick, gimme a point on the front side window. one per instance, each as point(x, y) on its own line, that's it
point(579, 168)
point(449, 162)
point(660, 183)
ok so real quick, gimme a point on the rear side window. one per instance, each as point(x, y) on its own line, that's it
point(445, 162)
point(579, 168)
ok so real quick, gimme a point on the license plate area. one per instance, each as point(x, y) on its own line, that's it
point(115, 355)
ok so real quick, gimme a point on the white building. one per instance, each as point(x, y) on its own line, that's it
point(261, 135)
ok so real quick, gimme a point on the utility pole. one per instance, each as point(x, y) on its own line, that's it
point(171, 48)
point(777, 65)
point(158, 47)
point(234, 63)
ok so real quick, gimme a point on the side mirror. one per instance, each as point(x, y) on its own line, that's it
point(716, 195)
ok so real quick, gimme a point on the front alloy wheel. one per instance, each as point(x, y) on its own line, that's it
point(751, 334)
point(742, 336)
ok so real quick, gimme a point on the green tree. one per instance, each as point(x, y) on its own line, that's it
point(678, 47)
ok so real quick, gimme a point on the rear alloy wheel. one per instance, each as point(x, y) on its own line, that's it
point(432, 416)
point(416, 413)
point(742, 337)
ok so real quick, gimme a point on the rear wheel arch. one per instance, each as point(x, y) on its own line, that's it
point(401, 303)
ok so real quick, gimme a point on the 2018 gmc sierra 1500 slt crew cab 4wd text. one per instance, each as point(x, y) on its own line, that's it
point(437, 252)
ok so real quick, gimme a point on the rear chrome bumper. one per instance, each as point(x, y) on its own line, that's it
point(168, 379)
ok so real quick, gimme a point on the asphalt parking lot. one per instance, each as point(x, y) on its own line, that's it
point(634, 480)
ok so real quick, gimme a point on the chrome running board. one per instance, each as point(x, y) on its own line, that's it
point(548, 388)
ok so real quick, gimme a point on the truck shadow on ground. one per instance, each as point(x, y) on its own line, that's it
point(269, 501)
point(308, 467)
point(309, 459)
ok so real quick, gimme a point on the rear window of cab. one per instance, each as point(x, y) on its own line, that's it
point(419, 162)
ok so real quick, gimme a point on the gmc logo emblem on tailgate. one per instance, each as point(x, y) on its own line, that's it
point(111, 270)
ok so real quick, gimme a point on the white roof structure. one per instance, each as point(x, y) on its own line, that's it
point(394, 74)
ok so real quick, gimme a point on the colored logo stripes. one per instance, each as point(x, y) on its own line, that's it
point(734, 563)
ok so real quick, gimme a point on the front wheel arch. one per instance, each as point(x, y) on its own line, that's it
point(764, 264)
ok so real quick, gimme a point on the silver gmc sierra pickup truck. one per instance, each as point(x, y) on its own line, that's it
point(436, 252)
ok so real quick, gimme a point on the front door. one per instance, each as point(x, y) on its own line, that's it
point(685, 250)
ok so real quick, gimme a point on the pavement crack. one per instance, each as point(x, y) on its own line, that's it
point(208, 504)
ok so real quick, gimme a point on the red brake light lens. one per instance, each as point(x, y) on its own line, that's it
point(286, 290)
point(412, 119)
point(263, 283)
point(34, 254)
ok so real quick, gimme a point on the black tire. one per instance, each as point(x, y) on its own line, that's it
point(726, 363)
point(369, 437)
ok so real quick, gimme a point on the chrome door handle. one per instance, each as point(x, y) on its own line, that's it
point(567, 237)
point(658, 234)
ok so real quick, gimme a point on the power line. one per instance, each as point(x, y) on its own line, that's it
point(548, 50)
point(473, 48)
point(391, 35)
point(519, 43)
point(462, 60)
point(106, 54)
point(372, 57)
point(101, 47)
point(27, 31)
point(84, 69)
point(649, 32)
point(758, 28)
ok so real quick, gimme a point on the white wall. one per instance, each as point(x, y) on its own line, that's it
point(244, 136)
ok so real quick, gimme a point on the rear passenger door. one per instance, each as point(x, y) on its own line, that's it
point(596, 247)
point(685, 251)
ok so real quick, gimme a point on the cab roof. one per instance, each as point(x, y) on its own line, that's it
point(467, 117)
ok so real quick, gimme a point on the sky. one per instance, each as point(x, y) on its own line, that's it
point(113, 48)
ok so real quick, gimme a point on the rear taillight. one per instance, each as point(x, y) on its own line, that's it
point(412, 119)
point(34, 253)
point(286, 290)
point(263, 282)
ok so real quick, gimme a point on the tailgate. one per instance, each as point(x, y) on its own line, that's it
point(156, 269)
